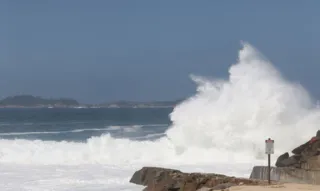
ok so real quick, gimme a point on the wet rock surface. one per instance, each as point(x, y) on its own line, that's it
point(162, 179)
point(302, 154)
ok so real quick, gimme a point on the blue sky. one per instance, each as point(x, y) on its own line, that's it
point(98, 51)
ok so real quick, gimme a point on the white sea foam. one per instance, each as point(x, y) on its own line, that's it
point(113, 128)
point(222, 128)
point(150, 136)
point(239, 113)
point(133, 128)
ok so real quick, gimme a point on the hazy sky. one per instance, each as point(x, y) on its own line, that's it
point(98, 51)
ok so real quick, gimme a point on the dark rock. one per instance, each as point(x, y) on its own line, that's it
point(155, 178)
point(297, 157)
point(313, 149)
point(281, 158)
point(318, 133)
point(161, 179)
point(285, 161)
point(289, 161)
point(298, 150)
point(146, 174)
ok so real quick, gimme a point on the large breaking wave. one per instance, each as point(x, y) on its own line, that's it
point(225, 121)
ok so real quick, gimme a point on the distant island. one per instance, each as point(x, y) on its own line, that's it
point(29, 101)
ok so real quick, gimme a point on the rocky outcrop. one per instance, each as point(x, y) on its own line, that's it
point(162, 179)
point(302, 155)
point(302, 167)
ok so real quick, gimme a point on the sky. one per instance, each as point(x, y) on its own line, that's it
point(100, 51)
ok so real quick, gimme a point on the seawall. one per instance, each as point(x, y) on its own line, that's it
point(286, 174)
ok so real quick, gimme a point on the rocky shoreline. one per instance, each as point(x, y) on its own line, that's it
point(302, 167)
point(304, 156)
point(163, 179)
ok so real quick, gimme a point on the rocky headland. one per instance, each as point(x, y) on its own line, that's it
point(30, 101)
point(25, 101)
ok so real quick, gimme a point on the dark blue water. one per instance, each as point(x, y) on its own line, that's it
point(81, 124)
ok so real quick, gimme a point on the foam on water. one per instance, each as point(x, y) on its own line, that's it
point(128, 128)
point(223, 125)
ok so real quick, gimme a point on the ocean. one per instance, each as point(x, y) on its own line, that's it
point(220, 129)
point(72, 149)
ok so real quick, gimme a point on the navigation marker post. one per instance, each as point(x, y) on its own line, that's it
point(269, 151)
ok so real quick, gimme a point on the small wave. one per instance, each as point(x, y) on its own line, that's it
point(150, 136)
point(133, 128)
point(156, 125)
point(93, 129)
point(51, 132)
point(128, 128)
point(125, 128)
point(113, 128)
point(30, 133)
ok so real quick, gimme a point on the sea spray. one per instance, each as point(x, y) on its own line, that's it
point(238, 114)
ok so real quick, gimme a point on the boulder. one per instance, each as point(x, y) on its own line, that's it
point(299, 149)
point(162, 179)
point(281, 158)
point(291, 161)
point(149, 174)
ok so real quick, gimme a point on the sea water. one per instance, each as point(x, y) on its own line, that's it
point(221, 129)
